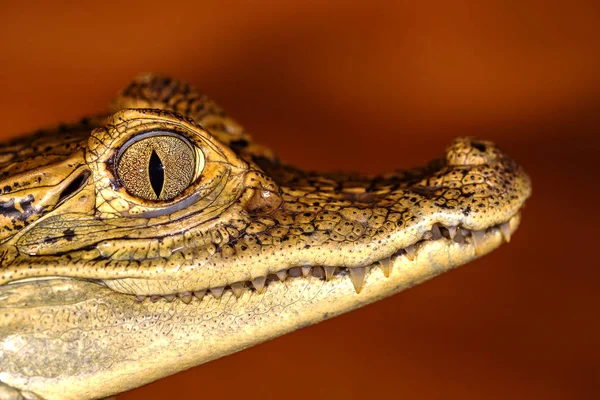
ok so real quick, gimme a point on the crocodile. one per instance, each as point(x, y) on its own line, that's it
point(160, 236)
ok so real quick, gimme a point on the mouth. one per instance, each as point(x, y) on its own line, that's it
point(442, 247)
point(433, 219)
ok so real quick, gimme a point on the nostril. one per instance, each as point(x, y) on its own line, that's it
point(471, 151)
point(479, 146)
point(74, 186)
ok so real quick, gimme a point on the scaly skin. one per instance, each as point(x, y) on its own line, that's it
point(102, 291)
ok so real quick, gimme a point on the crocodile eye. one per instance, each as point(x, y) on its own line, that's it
point(157, 165)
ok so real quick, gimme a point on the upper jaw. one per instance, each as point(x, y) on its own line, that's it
point(329, 225)
point(440, 249)
point(323, 221)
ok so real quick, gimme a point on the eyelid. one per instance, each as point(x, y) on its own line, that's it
point(146, 135)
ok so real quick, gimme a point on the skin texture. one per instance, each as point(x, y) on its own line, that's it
point(112, 276)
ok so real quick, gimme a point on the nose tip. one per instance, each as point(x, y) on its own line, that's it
point(469, 151)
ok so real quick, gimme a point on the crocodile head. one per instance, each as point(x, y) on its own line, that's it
point(168, 197)
point(161, 236)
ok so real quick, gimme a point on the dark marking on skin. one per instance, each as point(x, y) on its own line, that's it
point(49, 240)
point(8, 209)
point(426, 191)
point(467, 211)
point(69, 234)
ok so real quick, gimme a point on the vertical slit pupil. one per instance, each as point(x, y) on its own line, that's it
point(157, 173)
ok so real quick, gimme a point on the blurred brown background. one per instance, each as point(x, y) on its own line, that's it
point(372, 86)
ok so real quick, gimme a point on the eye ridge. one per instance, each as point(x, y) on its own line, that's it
point(156, 173)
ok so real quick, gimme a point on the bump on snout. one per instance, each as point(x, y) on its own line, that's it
point(470, 151)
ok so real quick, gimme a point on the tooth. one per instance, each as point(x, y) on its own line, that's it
point(386, 266)
point(478, 240)
point(200, 293)
point(186, 297)
point(170, 297)
point(410, 252)
point(305, 271)
point(329, 272)
point(452, 231)
point(140, 298)
point(259, 284)
point(237, 288)
point(217, 291)
point(435, 232)
point(459, 237)
point(282, 275)
point(505, 229)
point(154, 298)
point(357, 275)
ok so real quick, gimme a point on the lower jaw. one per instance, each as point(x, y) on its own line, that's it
point(304, 301)
point(240, 322)
point(174, 336)
point(431, 258)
